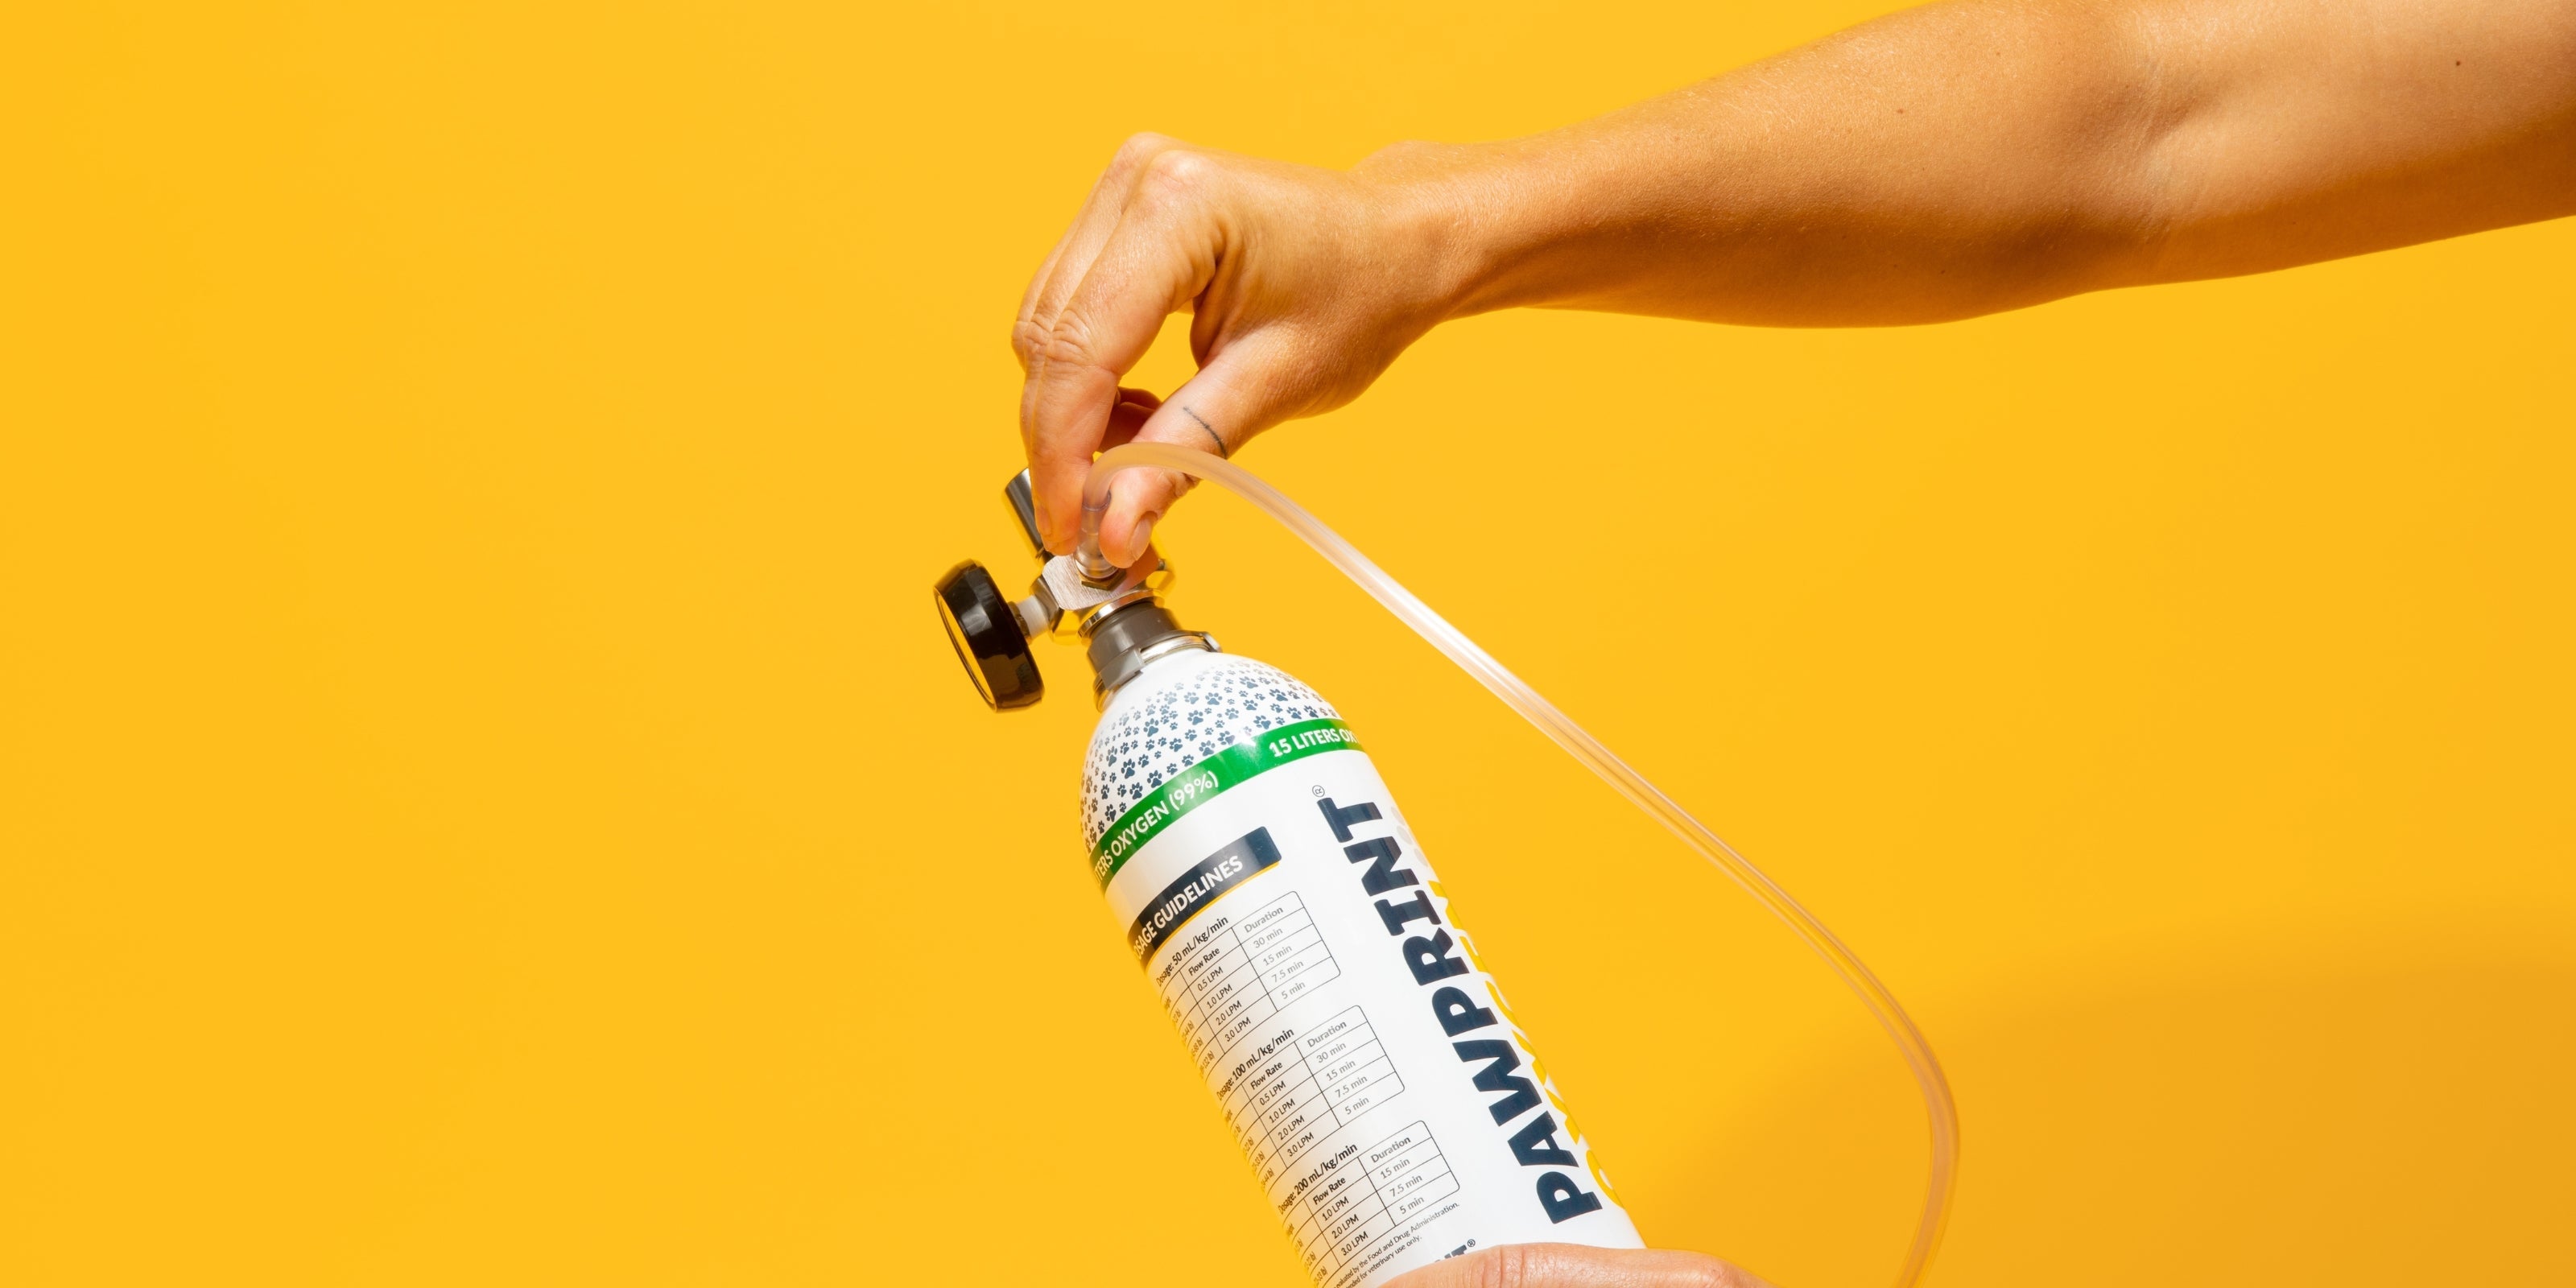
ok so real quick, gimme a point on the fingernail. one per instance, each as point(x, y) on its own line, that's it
point(1139, 537)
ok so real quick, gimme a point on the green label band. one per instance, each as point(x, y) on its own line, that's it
point(1200, 783)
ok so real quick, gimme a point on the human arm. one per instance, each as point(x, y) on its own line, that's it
point(1939, 163)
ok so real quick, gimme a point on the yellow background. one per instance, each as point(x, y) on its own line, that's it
point(483, 798)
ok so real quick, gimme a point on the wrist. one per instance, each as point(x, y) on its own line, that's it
point(1498, 225)
point(1463, 222)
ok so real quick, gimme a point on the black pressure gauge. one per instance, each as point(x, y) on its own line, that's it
point(988, 639)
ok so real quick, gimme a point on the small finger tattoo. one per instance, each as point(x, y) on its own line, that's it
point(1221, 453)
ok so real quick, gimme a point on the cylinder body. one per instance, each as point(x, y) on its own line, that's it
point(1391, 1108)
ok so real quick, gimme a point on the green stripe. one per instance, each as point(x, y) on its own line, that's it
point(1201, 783)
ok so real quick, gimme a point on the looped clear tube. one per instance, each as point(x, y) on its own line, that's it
point(1935, 1085)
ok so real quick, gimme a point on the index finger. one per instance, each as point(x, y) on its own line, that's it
point(1159, 257)
point(1065, 266)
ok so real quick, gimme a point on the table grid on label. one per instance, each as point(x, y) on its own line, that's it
point(1245, 972)
point(1360, 1196)
point(1298, 1088)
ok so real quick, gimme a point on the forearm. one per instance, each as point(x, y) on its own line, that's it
point(1971, 157)
point(1939, 163)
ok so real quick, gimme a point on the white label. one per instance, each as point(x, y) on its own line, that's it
point(1392, 1110)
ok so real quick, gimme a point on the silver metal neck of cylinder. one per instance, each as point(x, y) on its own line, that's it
point(1098, 613)
point(1128, 665)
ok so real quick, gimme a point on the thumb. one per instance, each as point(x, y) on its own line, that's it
point(1221, 408)
point(1565, 1265)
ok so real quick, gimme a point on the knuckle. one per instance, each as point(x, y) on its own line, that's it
point(1135, 158)
point(1138, 147)
point(1509, 1267)
point(1067, 344)
point(1712, 1273)
point(1525, 1266)
point(1028, 340)
point(1174, 174)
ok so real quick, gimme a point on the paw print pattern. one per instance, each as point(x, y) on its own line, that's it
point(1210, 701)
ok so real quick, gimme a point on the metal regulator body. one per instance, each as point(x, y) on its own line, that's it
point(1392, 1109)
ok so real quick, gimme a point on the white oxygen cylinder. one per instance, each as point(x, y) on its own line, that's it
point(1392, 1109)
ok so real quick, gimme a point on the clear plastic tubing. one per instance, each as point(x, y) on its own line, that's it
point(1937, 1102)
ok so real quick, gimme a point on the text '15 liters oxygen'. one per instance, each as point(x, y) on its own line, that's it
point(1391, 1107)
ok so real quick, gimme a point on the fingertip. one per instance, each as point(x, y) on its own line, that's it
point(1140, 538)
point(1057, 502)
point(1137, 500)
